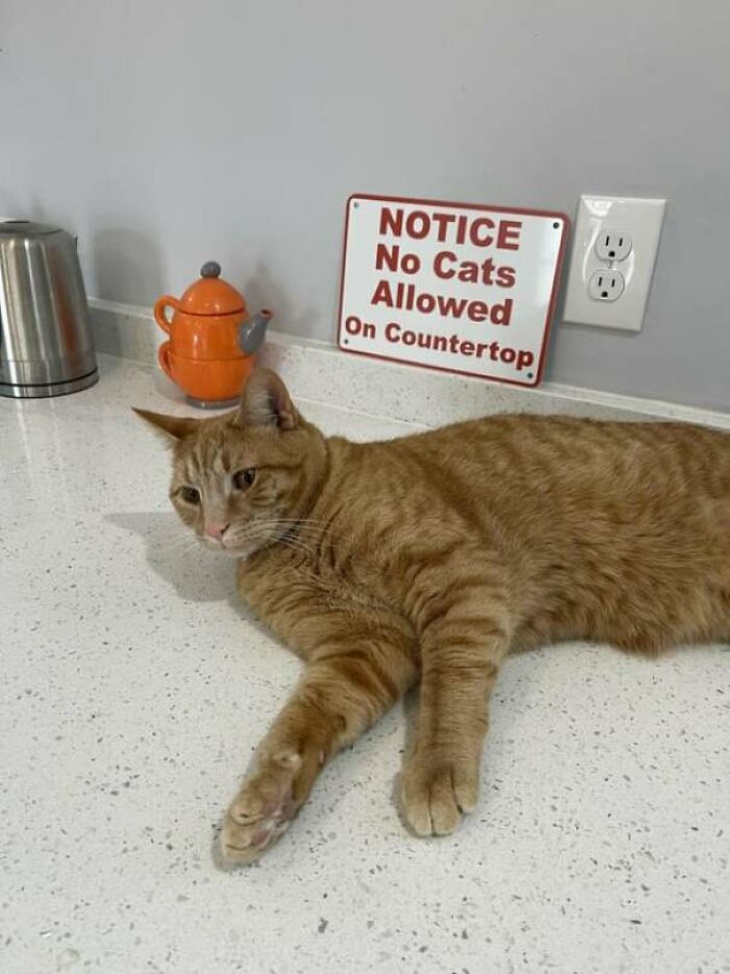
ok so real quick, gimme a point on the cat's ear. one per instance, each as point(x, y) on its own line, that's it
point(266, 402)
point(175, 426)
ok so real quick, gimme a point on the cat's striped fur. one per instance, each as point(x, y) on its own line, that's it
point(433, 556)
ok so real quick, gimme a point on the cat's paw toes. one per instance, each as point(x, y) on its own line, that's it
point(258, 816)
point(435, 798)
point(242, 844)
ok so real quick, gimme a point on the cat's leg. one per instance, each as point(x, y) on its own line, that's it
point(461, 617)
point(355, 674)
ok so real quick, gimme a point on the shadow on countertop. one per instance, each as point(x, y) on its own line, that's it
point(178, 558)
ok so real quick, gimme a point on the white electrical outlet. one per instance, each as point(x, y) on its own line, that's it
point(615, 238)
point(606, 285)
point(613, 244)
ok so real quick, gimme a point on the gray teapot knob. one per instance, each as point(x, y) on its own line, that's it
point(210, 268)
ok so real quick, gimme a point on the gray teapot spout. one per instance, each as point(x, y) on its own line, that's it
point(252, 332)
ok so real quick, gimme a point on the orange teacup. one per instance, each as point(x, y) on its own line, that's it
point(209, 380)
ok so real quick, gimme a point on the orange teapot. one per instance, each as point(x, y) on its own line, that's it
point(212, 342)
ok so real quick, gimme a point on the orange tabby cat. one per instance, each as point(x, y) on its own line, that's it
point(435, 555)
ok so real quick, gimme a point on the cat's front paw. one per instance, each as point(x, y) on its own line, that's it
point(436, 794)
point(262, 811)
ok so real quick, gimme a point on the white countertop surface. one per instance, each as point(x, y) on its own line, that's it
point(134, 687)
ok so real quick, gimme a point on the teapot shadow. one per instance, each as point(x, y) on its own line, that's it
point(125, 265)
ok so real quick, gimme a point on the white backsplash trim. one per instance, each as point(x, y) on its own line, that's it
point(318, 372)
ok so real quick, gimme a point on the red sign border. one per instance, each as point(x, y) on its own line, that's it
point(462, 206)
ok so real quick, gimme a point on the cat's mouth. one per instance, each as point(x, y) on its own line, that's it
point(231, 548)
point(242, 541)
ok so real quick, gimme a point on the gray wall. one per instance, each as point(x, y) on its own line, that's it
point(165, 134)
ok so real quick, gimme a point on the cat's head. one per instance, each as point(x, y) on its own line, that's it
point(242, 481)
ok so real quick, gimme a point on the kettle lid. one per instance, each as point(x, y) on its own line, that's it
point(211, 295)
point(26, 228)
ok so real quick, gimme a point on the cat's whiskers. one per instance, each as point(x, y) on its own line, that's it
point(286, 532)
point(270, 531)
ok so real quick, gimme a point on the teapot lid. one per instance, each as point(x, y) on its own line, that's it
point(211, 295)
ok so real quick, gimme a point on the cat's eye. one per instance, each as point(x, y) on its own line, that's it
point(244, 478)
point(190, 494)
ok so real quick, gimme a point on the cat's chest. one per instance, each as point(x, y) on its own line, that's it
point(302, 598)
point(322, 573)
point(335, 565)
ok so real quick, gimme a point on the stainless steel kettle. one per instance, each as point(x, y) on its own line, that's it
point(46, 339)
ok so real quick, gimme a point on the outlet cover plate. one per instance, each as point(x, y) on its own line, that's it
point(642, 219)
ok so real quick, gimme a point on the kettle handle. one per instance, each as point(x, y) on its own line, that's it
point(166, 301)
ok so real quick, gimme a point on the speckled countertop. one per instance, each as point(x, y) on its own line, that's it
point(134, 688)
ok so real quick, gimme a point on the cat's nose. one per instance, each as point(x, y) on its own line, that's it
point(216, 531)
